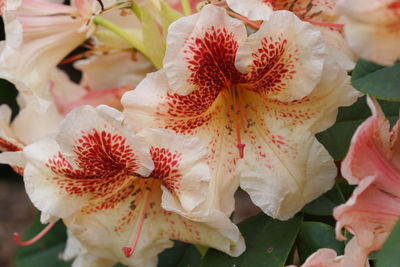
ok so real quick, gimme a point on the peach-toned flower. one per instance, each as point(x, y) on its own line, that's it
point(113, 188)
point(372, 28)
point(260, 98)
point(38, 36)
point(373, 163)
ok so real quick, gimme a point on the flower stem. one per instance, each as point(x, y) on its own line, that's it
point(187, 10)
point(137, 44)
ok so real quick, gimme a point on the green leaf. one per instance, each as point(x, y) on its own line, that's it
point(154, 44)
point(168, 15)
point(46, 251)
point(268, 243)
point(389, 255)
point(316, 235)
point(323, 205)
point(337, 138)
point(377, 81)
point(180, 255)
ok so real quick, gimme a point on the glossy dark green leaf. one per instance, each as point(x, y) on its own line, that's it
point(46, 251)
point(180, 255)
point(337, 138)
point(268, 243)
point(316, 235)
point(323, 205)
point(389, 255)
point(377, 81)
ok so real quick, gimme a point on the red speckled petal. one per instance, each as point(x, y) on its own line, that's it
point(86, 164)
point(317, 111)
point(180, 162)
point(201, 51)
point(150, 105)
point(105, 240)
point(284, 168)
point(282, 61)
point(207, 227)
point(106, 232)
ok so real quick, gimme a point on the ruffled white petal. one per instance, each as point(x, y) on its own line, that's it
point(284, 60)
point(192, 42)
point(252, 9)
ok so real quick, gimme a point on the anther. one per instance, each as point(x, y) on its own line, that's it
point(17, 236)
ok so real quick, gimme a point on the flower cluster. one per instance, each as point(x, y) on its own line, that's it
point(183, 102)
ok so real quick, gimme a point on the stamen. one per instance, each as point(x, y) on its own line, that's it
point(239, 145)
point(72, 59)
point(244, 19)
point(326, 24)
point(17, 236)
point(129, 251)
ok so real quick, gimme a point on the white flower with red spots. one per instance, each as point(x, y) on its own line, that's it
point(113, 188)
point(320, 13)
point(261, 98)
point(373, 28)
point(373, 163)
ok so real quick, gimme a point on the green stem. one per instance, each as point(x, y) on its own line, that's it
point(187, 10)
point(137, 44)
point(135, 8)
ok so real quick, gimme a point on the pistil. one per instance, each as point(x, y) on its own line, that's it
point(17, 236)
point(128, 251)
point(237, 115)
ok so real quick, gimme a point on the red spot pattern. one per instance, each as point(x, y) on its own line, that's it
point(211, 59)
point(166, 164)
point(273, 66)
point(8, 146)
point(99, 156)
point(104, 163)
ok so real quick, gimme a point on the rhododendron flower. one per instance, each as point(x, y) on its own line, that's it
point(321, 14)
point(251, 98)
point(372, 29)
point(113, 188)
point(354, 256)
point(373, 162)
point(38, 36)
point(112, 70)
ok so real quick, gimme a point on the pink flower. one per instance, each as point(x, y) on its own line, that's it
point(354, 256)
point(373, 163)
point(38, 36)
